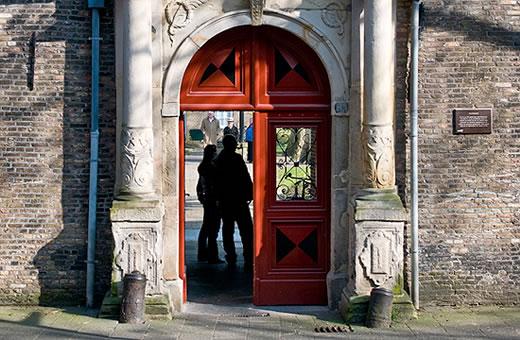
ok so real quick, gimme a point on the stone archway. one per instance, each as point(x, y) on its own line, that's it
point(339, 135)
point(365, 229)
point(145, 216)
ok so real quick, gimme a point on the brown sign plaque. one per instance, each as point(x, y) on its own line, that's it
point(472, 121)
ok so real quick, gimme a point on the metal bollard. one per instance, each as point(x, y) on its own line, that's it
point(132, 305)
point(380, 308)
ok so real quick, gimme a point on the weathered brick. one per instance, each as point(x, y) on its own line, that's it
point(469, 185)
point(44, 147)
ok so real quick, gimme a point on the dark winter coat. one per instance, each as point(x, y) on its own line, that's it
point(231, 131)
point(233, 182)
point(206, 183)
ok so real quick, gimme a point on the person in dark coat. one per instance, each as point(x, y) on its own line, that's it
point(231, 129)
point(234, 190)
point(208, 249)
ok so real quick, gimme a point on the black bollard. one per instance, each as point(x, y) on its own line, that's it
point(132, 305)
point(380, 308)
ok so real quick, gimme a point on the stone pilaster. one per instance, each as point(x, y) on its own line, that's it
point(376, 214)
point(136, 215)
point(137, 168)
point(377, 139)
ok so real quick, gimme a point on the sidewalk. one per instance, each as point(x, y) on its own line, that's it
point(217, 322)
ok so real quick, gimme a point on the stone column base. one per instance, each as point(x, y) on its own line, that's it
point(137, 231)
point(138, 234)
point(354, 309)
point(376, 222)
point(156, 307)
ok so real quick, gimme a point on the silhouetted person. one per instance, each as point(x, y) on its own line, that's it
point(208, 249)
point(234, 190)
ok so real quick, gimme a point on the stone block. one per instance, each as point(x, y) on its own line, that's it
point(138, 242)
point(354, 309)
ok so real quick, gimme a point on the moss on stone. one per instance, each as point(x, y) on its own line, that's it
point(399, 283)
point(52, 298)
point(357, 308)
point(22, 299)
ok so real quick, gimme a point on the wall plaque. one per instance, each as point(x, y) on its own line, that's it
point(472, 121)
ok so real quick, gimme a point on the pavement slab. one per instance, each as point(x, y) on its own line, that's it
point(231, 328)
point(130, 331)
point(255, 323)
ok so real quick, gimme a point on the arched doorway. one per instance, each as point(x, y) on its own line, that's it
point(273, 73)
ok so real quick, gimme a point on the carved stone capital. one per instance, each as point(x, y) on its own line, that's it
point(377, 143)
point(257, 11)
point(137, 160)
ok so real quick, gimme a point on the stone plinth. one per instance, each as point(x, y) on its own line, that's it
point(137, 231)
point(376, 223)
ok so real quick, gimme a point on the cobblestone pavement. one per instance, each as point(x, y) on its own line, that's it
point(214, 322)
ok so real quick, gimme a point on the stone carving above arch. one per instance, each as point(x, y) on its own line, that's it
point(328, 52)
point(179, 13)
point(334, 15)
point(257, 11)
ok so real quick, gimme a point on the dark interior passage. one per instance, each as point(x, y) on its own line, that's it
point(211, 283)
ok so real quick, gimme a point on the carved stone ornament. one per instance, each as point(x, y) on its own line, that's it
point(136, 160)
point(334, 15)
point(135, 250)
point(379, 257)
point(378, 156)
point(178, 14)
point(257, 11)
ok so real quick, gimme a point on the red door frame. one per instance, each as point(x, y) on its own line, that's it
point(182, 194)
point(261, 94)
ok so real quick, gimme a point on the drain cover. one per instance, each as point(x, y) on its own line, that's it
point(250, 315)
point(333, 329)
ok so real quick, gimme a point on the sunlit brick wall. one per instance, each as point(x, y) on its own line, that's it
point(45, 56)
point(469, 185)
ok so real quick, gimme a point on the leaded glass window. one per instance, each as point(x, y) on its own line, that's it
point(296, 164)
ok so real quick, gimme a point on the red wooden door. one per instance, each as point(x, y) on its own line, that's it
point(292, 182)
point(275, 73)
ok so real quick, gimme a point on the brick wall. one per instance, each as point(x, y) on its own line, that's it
point(45, 148)
point(469, 185)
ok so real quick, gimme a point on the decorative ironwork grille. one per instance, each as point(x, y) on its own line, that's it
point(295, 164)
